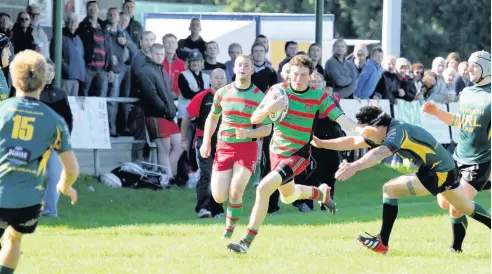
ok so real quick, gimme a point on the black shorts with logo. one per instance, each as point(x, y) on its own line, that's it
point(476, 175)
point(23, 220)
point(437, 182)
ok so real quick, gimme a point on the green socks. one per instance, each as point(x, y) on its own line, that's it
point(233, 214)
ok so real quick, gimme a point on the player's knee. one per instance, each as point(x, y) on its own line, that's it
point(235, 195)
point(292, 197)
point(219, 197)
point(454, 213)
point(443, 203)
point(388, 190)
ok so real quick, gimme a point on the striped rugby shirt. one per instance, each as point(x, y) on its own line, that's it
point(294, 132)
point(236, 106)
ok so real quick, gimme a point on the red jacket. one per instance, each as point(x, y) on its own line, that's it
point(173, 70)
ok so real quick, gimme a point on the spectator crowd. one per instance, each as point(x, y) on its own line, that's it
point(116, 58)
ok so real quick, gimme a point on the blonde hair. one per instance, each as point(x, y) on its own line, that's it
point(28, 71)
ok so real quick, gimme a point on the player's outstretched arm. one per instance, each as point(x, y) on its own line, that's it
point(448, 118)
point(348, 124)
point(69, 175)
point(372, 158)
point(341, 144)
point(262, 131)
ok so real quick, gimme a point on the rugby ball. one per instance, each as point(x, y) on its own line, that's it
point(110, 180)
point(279, 115)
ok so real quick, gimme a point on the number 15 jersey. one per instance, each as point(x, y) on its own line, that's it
point(29, 129)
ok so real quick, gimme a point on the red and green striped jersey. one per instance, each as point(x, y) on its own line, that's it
point(236, 106)
point(294, 132)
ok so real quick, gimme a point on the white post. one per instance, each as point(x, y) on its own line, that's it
point(391, 27)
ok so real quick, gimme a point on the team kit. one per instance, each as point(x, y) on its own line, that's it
point(240, 115)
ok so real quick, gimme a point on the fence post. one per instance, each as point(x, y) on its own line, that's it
point(96, 162)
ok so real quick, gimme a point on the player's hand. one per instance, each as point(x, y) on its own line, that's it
point(345, 171)
point(316, 142)
point(430, 108)
point(205, 150)
point(242, 133)
point(67, 191)
point(367, 131)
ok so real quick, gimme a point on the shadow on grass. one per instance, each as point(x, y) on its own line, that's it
point(358, 200)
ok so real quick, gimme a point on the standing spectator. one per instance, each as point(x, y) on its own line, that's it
point(211, 52)
point(194, 42)
point(134, 27)
point(118, 42)
point(388, 84)
point(370, 75)
point(130, 45)
point(73, 64)
point(360, 56)
point(264, 76)
point(262, 39)
point(406, 88)
point(450, 91)
point(136, 117)
point(429, 80)
point(57, 100)
point(315, 53)
point(4, 62)
point(198, 111)
point(5, 24)
point(97, 52)
point(22, 33)
point(453, 60)
point(462, 78)
point(438, 66)
point(417, 73)
point(290, 50)
point(191, 81)
point(38, 34)
point(159, 110)
point(234, 50)
point(340, 72)
point(172, 64)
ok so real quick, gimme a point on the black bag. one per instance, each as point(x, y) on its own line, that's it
point(135, 180)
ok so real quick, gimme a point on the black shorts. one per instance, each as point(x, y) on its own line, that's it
point(476, 175)
point(437, 182)
point(23, 220)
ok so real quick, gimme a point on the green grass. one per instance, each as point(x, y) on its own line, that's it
point(143, 231)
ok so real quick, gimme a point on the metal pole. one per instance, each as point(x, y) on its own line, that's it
point(57, 34)
point(319, 11)
point(391, 27)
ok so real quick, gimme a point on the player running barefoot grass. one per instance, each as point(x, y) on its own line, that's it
point(28, 131)
point(236, 153)
point(472, 154)
point(290, 145)
point(437, 171)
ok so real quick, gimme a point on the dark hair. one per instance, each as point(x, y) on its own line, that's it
point(128, 1)
point(313, 45)
point(91, 2)
point(4, 14)
point(257, 45)
point(210, 43)
point(288, 43)
point(50, 62)
point(373, 115)
point(113, 8)
point(261, 36)
point(376, 50)
point(302, 61)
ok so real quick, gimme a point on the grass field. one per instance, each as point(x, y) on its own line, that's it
point(142, 231)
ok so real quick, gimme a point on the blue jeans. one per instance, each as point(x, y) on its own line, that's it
point(114, 92)
point(53, 172)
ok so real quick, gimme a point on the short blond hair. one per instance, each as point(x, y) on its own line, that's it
point(28, 71)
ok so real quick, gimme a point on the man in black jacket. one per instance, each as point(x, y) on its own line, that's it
point(135, 29)
point(159, 110)
point(97, 52)
point(194, 42)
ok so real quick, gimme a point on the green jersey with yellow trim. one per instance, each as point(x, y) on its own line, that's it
point(29, 130)
point(416, 144)
point(474, 112)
